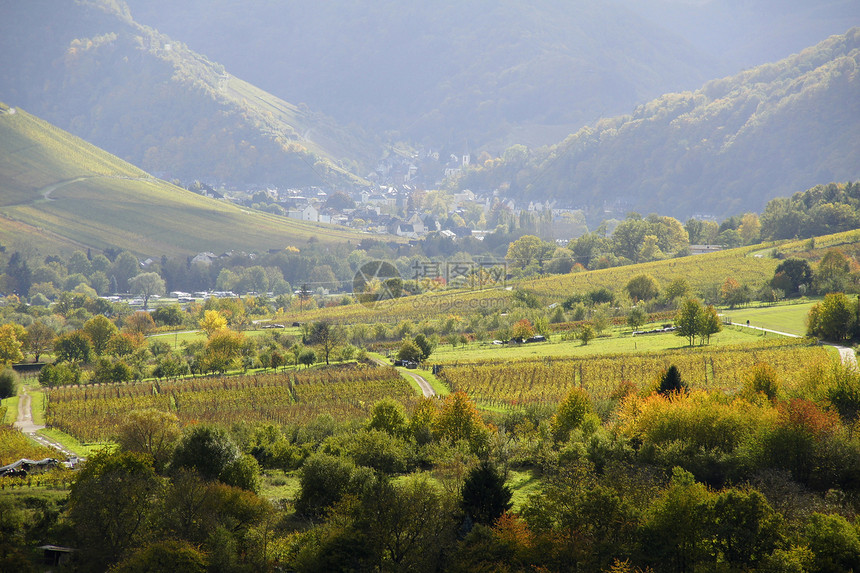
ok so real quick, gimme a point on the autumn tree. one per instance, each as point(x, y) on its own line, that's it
point(10, 345)
point(40, 339)
point(570, 414)
point(151, 432)
point(522, 330)
point(834, 318)
point(100, 329)
point(458, 419)
point(212, 322)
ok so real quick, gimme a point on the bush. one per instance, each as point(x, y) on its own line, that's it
point(8, 383)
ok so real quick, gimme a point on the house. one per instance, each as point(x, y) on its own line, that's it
point(307, 213)
point(703, 249)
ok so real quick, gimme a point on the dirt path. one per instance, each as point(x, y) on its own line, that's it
point(26, 426)
point(426, 388)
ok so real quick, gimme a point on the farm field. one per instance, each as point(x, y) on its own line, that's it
point(92, 413)
point(546, 381)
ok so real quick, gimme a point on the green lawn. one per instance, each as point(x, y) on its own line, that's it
point(789, 318)
point(620, 341)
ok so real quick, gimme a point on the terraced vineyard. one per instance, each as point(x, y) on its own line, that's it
point(549, 380)
point(92, 413)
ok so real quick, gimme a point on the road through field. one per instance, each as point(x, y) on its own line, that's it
point(26, 425)
point(846, 354)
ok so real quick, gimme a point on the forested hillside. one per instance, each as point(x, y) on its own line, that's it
point(89, 68)
point(721, 150)
point(459, 74)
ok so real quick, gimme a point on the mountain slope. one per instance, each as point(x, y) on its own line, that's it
point(59, 193)
point(721, 150)
point(446, 73)
point(87, 67)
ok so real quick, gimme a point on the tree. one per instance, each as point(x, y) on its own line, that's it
point(212, 322)
point(833, 273)
point(206, 450)
point(307, 357)
point(8, 383)
point(750, 229)
point(168, 556)
point(679, 287)
point(110, 504)
point(458, 419)
point(688, 319)
point(709, 323)
point(522, 330)
point(485, 497)
point(733, 293)
point(792, 276)
point(745, 528)
point(73, 347)
point(642, 288)
point(834, 318)
point(409, 351)
point(528, 250)
point(637, 317)
point(140, 323)
point(324, 480)
point(100, 329)
point(424, 345)
point(124, 267)
point(388, 416)
point(671, 382)
point(10, 345)
point(151, 432)
point(674, 529)
point(327, 336)
point(40, 339)
point(146, 285)
point(570, 414)
point(222, 349)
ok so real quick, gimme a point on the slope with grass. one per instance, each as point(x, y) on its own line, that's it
point(61, 193)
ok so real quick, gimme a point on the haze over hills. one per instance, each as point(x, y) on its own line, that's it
point(89, 68)
point(486, 74)
point(721, 150)
point(347, 80)
point(60, 193)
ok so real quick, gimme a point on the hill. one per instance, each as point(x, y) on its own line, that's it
point(721, 150)
point(60, 193)
point(449, 74)
point(87, 67)
point(466, 75)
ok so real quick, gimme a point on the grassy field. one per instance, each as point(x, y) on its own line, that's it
point(619, 342)
point(790, 318)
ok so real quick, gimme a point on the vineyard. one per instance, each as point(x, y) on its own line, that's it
point(93, 413)
point(549, 380)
